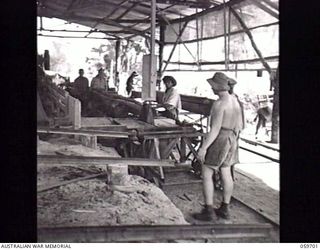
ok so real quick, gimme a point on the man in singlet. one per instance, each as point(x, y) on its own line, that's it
point(218, 150)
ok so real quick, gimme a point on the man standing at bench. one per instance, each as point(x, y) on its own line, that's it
point(218, 150)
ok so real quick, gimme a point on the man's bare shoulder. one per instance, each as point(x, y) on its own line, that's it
point(218, 105)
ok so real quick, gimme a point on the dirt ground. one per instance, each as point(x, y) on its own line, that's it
point(89, 202)
point(189, 199)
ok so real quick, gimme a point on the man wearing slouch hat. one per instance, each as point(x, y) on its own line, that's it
point(219, 148)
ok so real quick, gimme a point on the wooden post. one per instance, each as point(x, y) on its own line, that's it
point(117, 174)
point(116, 75)
point(183, 152)
point(247, 31)
point(149, 71)
point(275, 110)
point(153, 61)
point(46, 60)
point(161, 46)
point(74, 113)
point(225, 35)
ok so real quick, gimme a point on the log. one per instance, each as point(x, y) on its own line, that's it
point(98, 160)
point(195, 104)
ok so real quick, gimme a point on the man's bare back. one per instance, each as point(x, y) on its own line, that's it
point(232, 116)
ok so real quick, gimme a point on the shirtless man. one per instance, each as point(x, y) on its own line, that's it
point(218, 150)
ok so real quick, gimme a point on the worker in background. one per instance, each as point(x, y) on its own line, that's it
point(81, 87)
point(264, 115)
point(81, 83)
point(130, 82)
point(171, 99)
point(99, 82)
point(218, 150)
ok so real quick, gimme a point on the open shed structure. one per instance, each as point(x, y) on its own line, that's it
point(181, 35)
point(189, 35)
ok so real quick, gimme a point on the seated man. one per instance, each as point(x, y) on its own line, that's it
point(171, 98)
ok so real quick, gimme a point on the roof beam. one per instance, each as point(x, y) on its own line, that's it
point(218, 36)
point(270, 58)
point(108, 38)
point(127, 11)
point(190, 4)
point(109, 22)
point(164, 9)
point(116, 8)
point(271, 4)
point(137, 11)
point(247, 31)
point(265, 8)
point(202, 13)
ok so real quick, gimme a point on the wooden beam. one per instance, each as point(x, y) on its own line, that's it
point(210, 70)
point(190, 4)
point(166, 9)
point(167, 21)
point(270, 58)
point(106, 22)
point(243, 25)
point(218, 36)
point(109, 38)
point(71, 31)
point(265, 8)
point(271, 4)
point(127, 11)
point(174, 47)
point(155, 233)
point(50, 187)
point(98, 160)
point(99, 133)
point(202, 13)
point(116, 8)
point(171, 136)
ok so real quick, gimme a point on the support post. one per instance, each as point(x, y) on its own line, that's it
point(225, 35)
point(275, 110)
point(161, 46)
point(116, 75)
point(46, 60)
point(183, 150)
point(149, 62)
point(247, 31)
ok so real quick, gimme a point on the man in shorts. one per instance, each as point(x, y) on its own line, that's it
point(219, 148)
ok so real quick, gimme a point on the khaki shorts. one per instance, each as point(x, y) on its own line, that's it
point(223, 152)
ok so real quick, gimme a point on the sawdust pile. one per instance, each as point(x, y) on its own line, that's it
point(90, 202)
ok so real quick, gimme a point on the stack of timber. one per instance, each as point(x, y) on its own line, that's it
point(52, 99)
point(195, 104)
point(108, 104)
